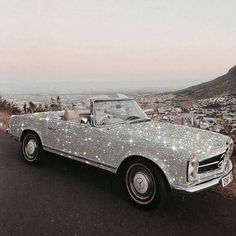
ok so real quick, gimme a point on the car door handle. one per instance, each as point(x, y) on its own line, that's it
point(51, 128)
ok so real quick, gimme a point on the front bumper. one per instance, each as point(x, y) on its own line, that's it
point(204, 185)
point(11, 135)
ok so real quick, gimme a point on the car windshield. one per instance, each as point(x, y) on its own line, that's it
point(112, 112)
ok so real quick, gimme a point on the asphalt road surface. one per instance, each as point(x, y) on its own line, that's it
point(64, 197)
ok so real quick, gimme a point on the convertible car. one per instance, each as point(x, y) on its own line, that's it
point(152, 158)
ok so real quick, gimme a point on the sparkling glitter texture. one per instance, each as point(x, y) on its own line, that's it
point(168, 146)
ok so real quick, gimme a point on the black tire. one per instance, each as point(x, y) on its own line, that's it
point(31, 148)
point(145, 184)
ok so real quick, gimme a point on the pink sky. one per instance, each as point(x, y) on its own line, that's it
point(180, 40)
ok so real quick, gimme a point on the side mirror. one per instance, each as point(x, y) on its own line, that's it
point(84, 120)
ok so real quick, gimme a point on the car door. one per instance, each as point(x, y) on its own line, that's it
point(106, 145)
point(50, 132)
point(65, 137)
point(74, 138)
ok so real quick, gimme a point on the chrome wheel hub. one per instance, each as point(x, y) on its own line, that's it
point(141, 183)
point(31, 147)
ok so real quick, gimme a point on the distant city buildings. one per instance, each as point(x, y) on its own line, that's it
point(215, 114)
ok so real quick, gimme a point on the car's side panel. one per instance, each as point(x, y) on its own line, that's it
point(64, 136)
point(105, 145)
point(81, 159)
point(72, 138)
point(108, 146)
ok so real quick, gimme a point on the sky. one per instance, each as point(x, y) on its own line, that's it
point(55, 45)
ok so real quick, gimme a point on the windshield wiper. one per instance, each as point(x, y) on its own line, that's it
point(140, 120)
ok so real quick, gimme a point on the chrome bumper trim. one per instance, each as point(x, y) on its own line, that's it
point(204, 185)
point(81, 159)
point(12, 136)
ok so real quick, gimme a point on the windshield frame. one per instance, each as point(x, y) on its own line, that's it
point(93, 112)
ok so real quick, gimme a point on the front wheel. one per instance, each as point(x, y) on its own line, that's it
point(145, 184)
point(31, 148)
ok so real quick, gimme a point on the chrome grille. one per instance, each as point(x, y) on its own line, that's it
point(212, 163)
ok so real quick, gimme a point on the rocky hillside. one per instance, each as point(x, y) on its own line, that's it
point(223, 85)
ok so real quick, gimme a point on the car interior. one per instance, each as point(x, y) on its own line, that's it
point(76, 116)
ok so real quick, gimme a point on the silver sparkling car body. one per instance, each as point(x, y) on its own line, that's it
point(168, 146)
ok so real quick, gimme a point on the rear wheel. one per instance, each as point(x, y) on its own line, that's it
point(145, 183)
point(31, 148)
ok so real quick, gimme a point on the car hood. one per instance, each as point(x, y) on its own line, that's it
point(178, 137)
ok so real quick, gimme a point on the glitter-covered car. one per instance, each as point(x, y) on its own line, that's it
point(116, 135)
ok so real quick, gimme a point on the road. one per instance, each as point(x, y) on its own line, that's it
point(64, 197)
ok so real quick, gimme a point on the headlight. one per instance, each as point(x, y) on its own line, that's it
point(230, 148)
point(192, 168)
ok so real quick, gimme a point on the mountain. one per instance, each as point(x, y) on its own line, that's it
point(223, 85)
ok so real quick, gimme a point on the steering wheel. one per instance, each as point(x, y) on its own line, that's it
point(132, 118)
point(102, 120)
